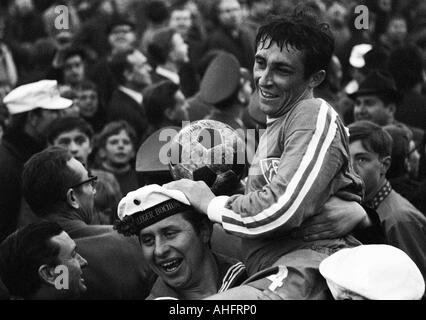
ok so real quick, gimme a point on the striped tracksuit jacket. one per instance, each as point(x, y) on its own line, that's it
point(302, 160)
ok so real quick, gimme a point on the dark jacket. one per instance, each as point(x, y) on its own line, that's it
point(242, 47)
point(123, 107)
point(116, 268)
point(15, 150)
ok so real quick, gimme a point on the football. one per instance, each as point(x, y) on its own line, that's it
point(210, 151)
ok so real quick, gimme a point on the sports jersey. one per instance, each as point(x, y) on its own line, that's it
point(302, 160)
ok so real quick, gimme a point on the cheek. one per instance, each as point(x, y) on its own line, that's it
point(86, 148)
point(147, 253)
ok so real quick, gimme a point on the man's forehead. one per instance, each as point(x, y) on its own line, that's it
point(357, 147)
point(274, 51)
point(227, 4)
point(372, 96)
point(73, 58)
point(181, 13)
point(77, 166)
point(172, 221)
point(64, 240)
point(71, 133)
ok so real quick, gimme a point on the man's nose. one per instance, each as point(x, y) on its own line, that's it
point(161, 247)
point(83, 262)
point(73, 147)
point(265, 78)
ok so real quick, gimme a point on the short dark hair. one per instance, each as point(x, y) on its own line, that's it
point(113, 128)
point(157, 11)
point(67, 124)
point(119, 64)
point(197, 221)
point(406, 66)
point(373, 137)
point(161, 45)
point(119, 21)
point(74, 51)
point(87, 85)
point(46, 179)
point(304, 33)
point(401, 136)
point(23, 252)
point(158, 98)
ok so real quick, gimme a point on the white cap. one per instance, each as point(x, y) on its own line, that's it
point(376, 272)
point(41, 94)
point(146, 198)
point(357, 55)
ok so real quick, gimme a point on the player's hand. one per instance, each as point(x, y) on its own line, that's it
point(197, 192)
point(267, 294)
point(336, 219)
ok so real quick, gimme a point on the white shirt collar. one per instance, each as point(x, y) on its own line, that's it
point(137, 96)
point(172, 76)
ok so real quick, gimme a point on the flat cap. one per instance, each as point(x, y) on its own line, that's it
point(41, 94)
point(376, 272)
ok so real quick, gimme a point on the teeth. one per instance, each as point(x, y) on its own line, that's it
point(267, 95)
point(171, 266)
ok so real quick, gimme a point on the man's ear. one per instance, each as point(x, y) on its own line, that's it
point(317, 78)
point(102, 153)
point(386, 163)
point(90, 147)
point(391, 107)
point(128, 75)
point(47, 274)
point(169, 113)
point(206, 232)
point(72, 199)
point(32, 117)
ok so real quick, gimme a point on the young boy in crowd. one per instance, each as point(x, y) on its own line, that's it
point(90, 105)
point(73, 134)
point(115, 151)
point(76, 135)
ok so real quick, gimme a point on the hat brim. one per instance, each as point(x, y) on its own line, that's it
point(58, 103)
point(392, 94)
point(148, 156)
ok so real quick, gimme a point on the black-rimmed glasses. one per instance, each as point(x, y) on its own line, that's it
point(92, 180)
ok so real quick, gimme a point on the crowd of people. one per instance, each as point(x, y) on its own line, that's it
point(332, 202)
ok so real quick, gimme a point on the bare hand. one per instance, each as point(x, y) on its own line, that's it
point(336, 219)
point(267, 294)
point(197, 192)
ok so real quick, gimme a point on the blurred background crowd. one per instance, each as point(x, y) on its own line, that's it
point(132, 67)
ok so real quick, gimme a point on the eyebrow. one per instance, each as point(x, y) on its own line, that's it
point(361, 153)
point(276, 63)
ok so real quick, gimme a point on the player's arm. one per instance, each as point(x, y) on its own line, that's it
point(311, 159)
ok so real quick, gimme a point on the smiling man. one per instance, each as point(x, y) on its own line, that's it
point(302, 160)
point(175, 241)
point(60, 189)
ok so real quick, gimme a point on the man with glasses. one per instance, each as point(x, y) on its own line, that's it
point(59, 188)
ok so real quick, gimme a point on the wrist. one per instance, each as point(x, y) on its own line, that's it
point(365, 222)
point(215, 207)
